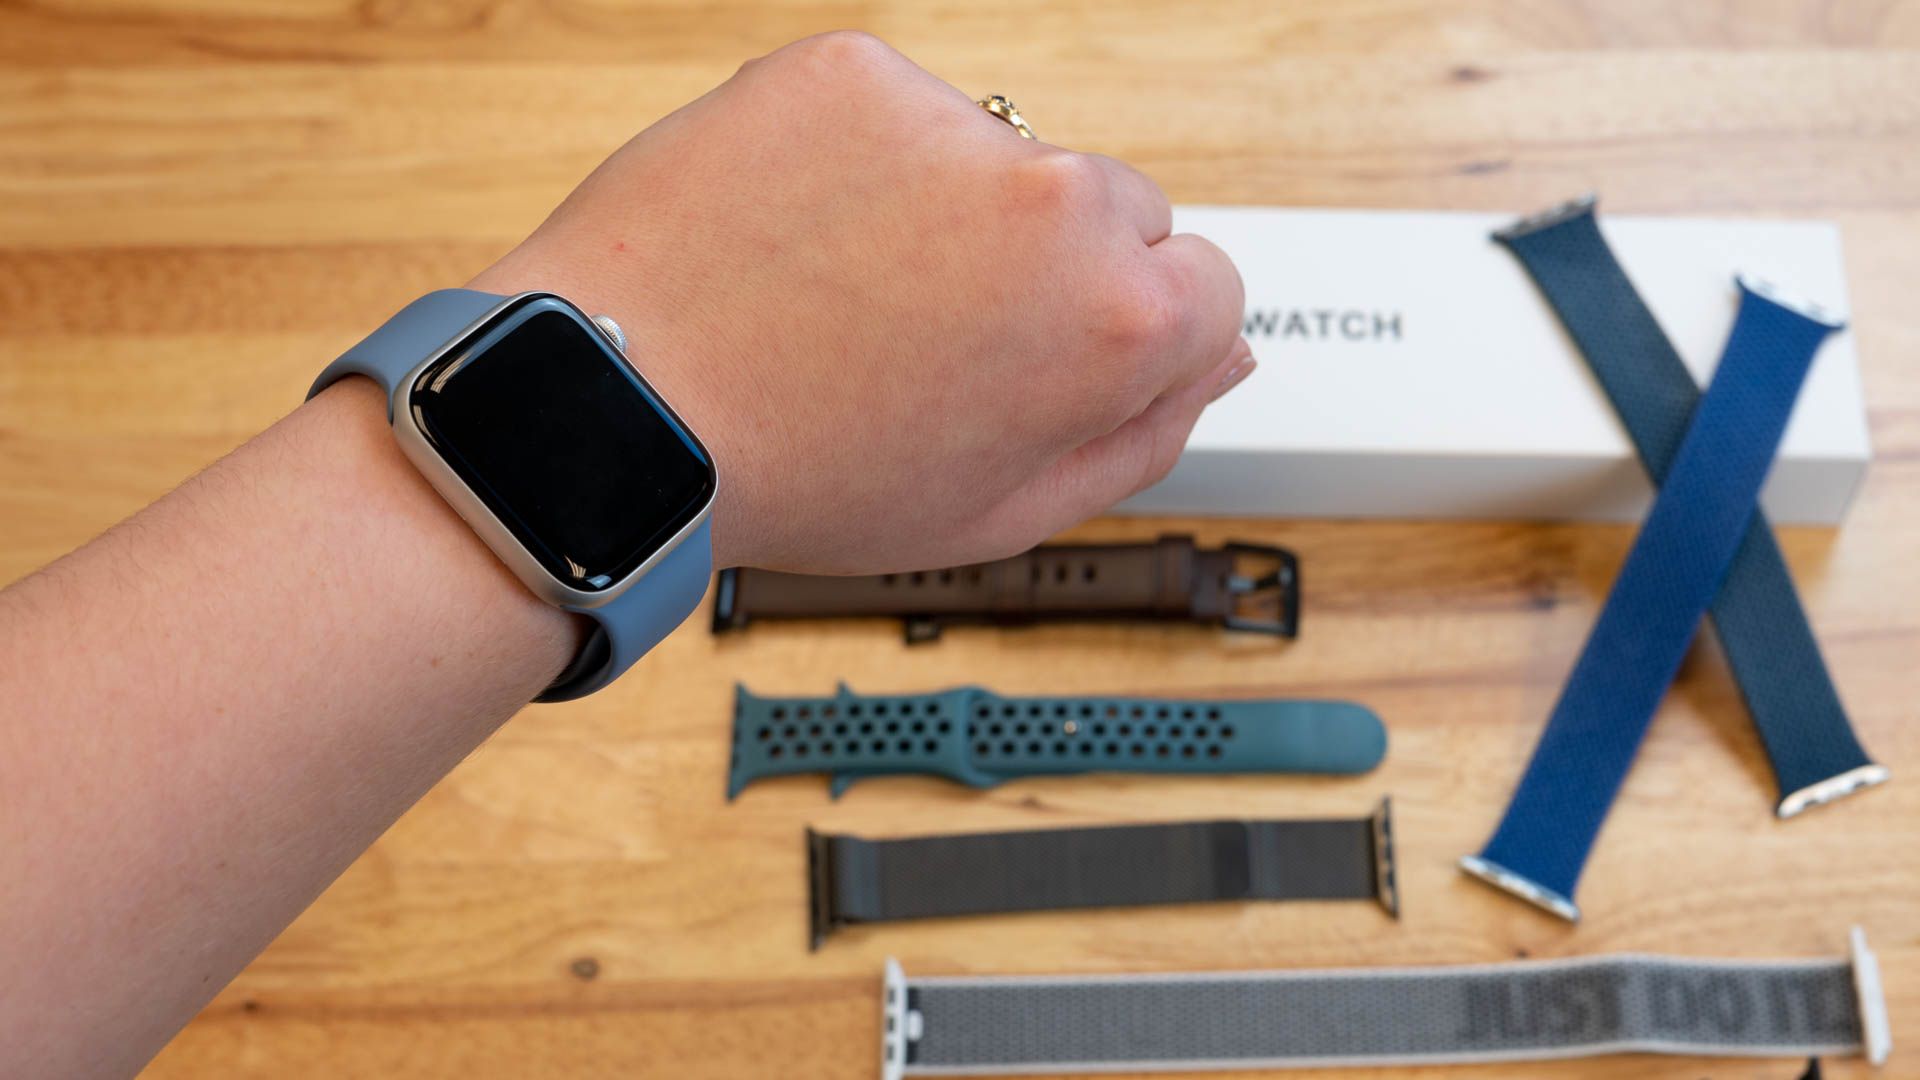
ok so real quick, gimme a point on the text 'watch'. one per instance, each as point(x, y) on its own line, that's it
point(526, 416)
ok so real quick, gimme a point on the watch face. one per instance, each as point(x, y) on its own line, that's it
point(556, 434)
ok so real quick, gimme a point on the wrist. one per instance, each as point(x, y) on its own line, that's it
point(390, 508)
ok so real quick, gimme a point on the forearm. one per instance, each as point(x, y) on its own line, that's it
point(959, 346)
point(213, 708)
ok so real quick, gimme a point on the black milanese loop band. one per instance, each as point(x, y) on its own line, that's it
point(853, 880)
point(1250, 587)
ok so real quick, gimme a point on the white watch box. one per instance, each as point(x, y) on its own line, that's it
point(1409, 368)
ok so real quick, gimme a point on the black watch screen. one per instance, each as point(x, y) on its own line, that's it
point(569, 447)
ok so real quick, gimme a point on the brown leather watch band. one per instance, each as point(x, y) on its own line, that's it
point(1239, 586)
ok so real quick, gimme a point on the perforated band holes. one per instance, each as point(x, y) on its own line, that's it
point(1054, 737)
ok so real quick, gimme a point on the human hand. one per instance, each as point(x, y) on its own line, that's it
point(910, 337)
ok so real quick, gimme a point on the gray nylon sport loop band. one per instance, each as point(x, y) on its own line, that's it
point(852, 880)
point(1530, 1010)
point(1770, 646)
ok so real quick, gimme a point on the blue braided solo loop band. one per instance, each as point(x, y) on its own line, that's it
point(1769, 644)
point(1673, 571)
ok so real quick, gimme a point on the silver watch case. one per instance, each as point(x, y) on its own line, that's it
point(483, 521)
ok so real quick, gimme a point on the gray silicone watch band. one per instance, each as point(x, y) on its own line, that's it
point(1531, 1010)
point(625, 627)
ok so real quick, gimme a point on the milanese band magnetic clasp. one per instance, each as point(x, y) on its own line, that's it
point(1383, 1017)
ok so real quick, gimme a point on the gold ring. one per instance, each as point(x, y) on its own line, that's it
point(1005, 110)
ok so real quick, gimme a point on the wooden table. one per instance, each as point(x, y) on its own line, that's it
point(201, 202)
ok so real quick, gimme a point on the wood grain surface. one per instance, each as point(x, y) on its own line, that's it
point(203, 201)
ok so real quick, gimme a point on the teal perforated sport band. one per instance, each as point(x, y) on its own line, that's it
point(978, 738)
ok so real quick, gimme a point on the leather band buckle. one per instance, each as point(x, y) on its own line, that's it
point(1281, 583)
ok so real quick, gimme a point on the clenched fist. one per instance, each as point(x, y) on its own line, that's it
point(909, 336)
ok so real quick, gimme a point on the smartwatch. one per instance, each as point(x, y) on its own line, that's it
point(527, 417)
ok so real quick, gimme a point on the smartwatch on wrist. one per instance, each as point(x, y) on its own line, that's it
point(526, 416)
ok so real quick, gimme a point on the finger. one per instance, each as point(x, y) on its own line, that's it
point(1207, 290)
point(1140, 199)
point(1132, 457)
